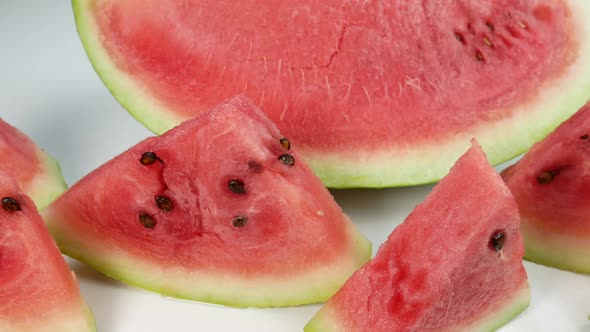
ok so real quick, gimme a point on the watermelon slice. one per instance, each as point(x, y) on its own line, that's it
point(221, 209)
point(38, 292)
point(37, 173)
point(374, 93)
point(551, 185)
point(454, 264)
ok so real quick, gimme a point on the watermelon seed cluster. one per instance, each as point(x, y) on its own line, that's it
point(162, 202)
point(497, 240)
point(584, 137)
point(10, 204)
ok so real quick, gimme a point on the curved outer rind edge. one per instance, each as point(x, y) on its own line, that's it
point(501, 140)
point(326, 321)
point(229, 291)
point(565, 252)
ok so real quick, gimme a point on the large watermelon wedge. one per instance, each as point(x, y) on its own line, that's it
point(220, 209)
point(38, 292)
point(37, 173)
point(374, 93)
point(551, 185)
point(455, 264)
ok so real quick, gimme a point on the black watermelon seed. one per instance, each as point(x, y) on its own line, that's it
point(490, 26)
point(460, 38)
point(585, 136)
point(287, 159)
point(237, 186)
point(497, 240)
point(10, 204)
point(239, 221)
point(148, 158)
point(164, 203)
point(546, 177)
point(285, 143)
point(479, 56)
point(255, 166)
point(146, 220)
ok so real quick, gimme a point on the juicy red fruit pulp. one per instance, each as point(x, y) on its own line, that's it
point(328, 73)
point(224, 194)
point(451, 265)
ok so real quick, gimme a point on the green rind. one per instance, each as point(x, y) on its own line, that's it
point(48, 185)
point(556, 250)
point(327, 321)
point(77, 321)
point(313, 286)
point(397, 166)
point(145, 109)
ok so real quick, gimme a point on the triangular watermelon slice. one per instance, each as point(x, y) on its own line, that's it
point(38, 292)
point(551, 185)
point(455, 264)
point(374, 93)
point(221, 209)
point(37, 173)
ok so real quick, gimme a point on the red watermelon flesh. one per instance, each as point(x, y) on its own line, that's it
point(374, 93)
point(226, 211)
point(551, 185)
point(454, 264)
point(34, 170)
point(38, 292)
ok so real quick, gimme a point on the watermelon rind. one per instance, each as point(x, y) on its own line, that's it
point(48, 184)
point(326, 320)
point(73, 322)
point(310, 286)
point(556, 250)
point(502, 139)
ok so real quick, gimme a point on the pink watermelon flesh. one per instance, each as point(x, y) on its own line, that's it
point(243, 221)
point(440, 270)
point(38, 292)
point(375, 93)
point(551, 185)
point(34, 170)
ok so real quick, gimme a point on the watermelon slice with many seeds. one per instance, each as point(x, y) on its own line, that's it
point(455, 264)
point(551, 185)
point(37, 173)
point(374, 93)
point(220, 209)
point(38, 292)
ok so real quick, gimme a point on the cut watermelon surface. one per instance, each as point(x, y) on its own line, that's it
point(38, 292)
point(551, 185)
point(37, 173)
point(455, 264)
point(374, 93)
point(220, 209)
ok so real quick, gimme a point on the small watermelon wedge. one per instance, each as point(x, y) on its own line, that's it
point(220, 209)
point(37, 173)
point(455, 264)
point(551, 185)
point(38, 292)
point(374, 93)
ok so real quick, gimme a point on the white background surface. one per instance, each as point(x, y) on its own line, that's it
point(49, 90)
